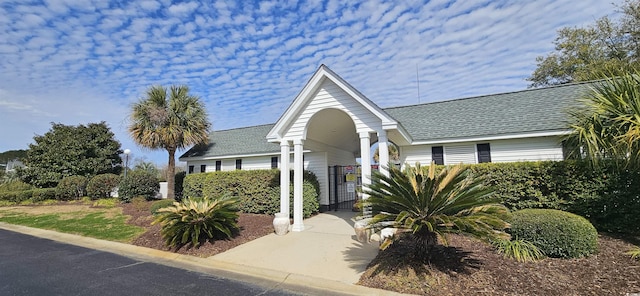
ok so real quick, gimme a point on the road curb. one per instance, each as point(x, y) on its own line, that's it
point(255, 275)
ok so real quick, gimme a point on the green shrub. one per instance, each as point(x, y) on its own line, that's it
point(102, 185)
point(607, 196)
point(138, 183)
point(194, 218)
point(556, 233)
point(14, 185)
point(71, 188)
point(43, 194)
point(519, 250)
point(16, 196)
point(257, 190)
point(160, 204)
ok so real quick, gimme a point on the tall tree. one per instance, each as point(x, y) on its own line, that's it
point(82, 150)
point(169, 120)
point(608, 127)
point(603, 48)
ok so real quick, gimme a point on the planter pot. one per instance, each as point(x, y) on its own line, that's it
point(281, 223)
point(363, 234)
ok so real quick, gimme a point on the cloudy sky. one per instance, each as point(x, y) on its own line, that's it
point(81, 61)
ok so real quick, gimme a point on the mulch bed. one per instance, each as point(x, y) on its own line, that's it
point(466, 267)
point(251, 226)
point(470, 267)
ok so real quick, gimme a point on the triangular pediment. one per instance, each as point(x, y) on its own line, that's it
point(324, 76)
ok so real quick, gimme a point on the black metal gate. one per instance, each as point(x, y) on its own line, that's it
point(345, 186)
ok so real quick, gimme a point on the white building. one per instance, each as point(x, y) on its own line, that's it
point(330, 124)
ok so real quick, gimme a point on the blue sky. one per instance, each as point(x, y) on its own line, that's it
point(81, 61)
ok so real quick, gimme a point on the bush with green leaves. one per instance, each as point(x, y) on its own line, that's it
point(556, 233)
point(102, 185)
point(159, 204)
point(194, 220)
point(33, 195)
point(426, 205)
point(42, 194)
point(15, 185)
point(257, 190)
point(71, 188)
point(138, 184)
point(606, 196)
point(518, 249)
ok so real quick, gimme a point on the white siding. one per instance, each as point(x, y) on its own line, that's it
point(412, 154)
point(316, 162)
point(329, 95)
point(256, 163)
point(335, 156)
point(544, 148)
point(512, 150)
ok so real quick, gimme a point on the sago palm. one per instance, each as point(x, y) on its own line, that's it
point(169, 120)
point(608, 126)
point(190, 219)
point(427, 205)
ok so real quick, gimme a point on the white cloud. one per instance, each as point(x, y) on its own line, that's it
point(77, 62)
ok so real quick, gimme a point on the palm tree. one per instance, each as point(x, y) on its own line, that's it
point(427, 205)
point(169, 121)
point(608, 126)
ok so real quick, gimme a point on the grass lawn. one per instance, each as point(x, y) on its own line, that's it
point(106, 223)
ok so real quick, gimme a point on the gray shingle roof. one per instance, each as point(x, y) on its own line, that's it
point(532, 110)
point(239, 141)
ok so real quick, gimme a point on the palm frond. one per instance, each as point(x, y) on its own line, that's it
point(429, 204)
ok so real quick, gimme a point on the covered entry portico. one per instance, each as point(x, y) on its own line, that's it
point(329, 123)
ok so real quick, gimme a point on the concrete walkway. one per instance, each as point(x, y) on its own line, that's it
point(327, 249)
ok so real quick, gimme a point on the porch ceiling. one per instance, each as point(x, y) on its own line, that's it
point(334, 128)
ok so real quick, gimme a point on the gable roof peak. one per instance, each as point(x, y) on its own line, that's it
point(307, 93)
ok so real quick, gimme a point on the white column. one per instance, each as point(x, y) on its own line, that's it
point(383, 152)
point(298, 168)
point(284, 177)
point(365, 159)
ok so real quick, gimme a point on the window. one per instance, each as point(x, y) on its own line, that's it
point(203, 168)
point(218, 165)
point(274, 162)
point(484, 153)
point(238, 164)
point(437, 154)
point(190, 169)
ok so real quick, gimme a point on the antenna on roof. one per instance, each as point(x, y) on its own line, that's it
point(418, 82)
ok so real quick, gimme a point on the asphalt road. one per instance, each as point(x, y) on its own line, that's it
point(36, 266)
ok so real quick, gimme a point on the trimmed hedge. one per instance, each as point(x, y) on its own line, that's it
point(138, 183)
point(102, 185)
point(607, 197)
point(71, 188)
point(15, 185)
point(258, 190)
point(556, 233)
point(33, 195)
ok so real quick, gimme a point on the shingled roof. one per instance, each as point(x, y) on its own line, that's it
point(531, 110)
point(239, 141)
